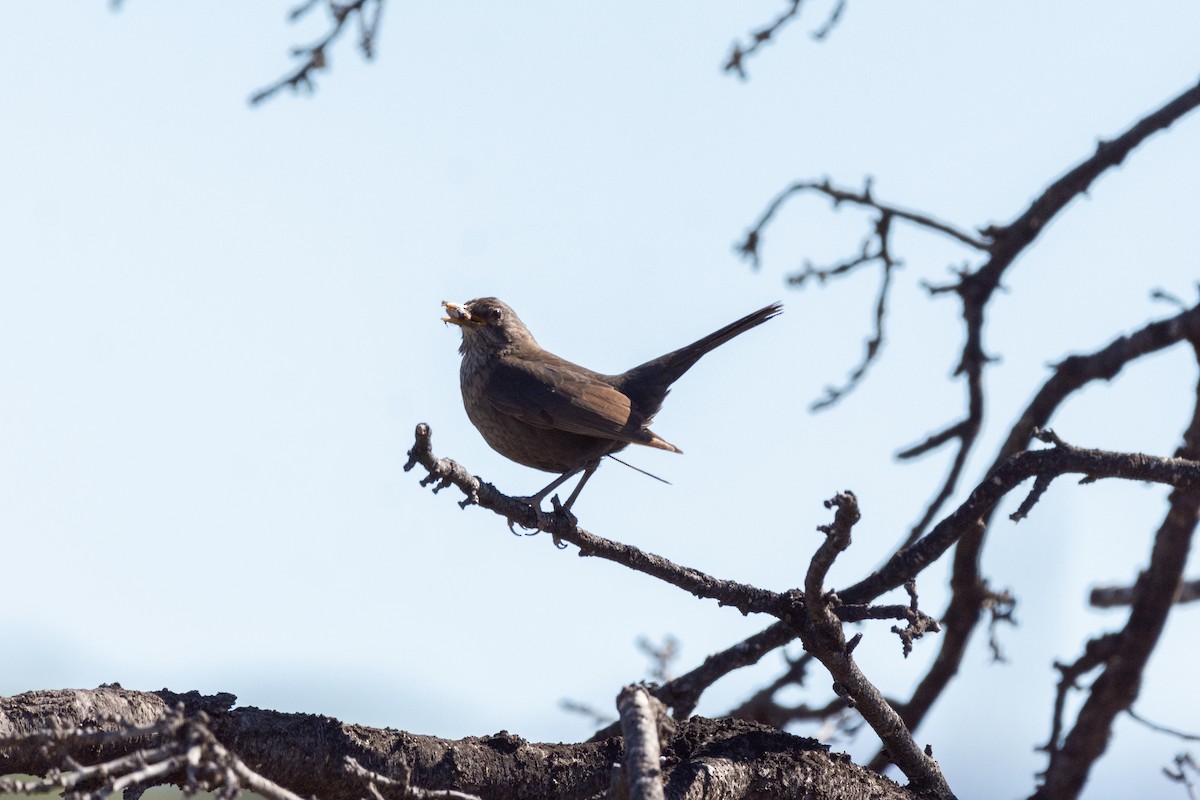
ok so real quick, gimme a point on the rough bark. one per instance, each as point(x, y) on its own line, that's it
point(704, 758)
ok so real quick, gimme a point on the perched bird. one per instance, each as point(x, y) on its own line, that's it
point(544, 412)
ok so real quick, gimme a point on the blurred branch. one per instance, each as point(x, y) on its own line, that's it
point(1185, 764)
point(683, 693)
point(1114, 596)
point(314, 57)
point(596, 717)
point(760, 37)
point(661, 656)
point(1187, 737)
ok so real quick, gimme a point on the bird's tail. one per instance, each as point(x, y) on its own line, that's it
point(647, 384)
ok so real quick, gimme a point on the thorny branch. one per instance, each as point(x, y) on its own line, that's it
point(314, 57)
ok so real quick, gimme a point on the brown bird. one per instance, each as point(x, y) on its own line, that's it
point(544, 412)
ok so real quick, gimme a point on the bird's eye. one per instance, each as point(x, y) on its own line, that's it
point(497, 314)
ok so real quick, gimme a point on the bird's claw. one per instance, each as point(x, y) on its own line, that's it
point(565, 513)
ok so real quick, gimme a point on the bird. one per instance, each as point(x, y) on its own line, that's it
point(545, 412)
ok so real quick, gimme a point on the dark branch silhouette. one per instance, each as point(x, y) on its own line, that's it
point(315, 57)
point(810, 614)
point(76, 731)
point(739, 53)
point(1001, 245)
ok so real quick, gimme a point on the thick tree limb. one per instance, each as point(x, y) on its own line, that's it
point(713, 759)
point(641, 718)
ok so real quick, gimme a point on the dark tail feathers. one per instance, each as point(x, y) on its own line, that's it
point(647, 384)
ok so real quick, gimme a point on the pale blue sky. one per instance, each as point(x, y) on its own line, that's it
point(219, 326)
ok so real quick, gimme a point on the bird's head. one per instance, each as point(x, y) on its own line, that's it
point(487, 324)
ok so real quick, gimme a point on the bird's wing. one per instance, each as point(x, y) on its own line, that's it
point(552, 393)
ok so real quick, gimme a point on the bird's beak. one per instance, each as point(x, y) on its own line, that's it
point(456, 314)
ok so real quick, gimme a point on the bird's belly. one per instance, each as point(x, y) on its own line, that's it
point(547, 449)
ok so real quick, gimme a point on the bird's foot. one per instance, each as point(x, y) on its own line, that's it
point(559, 508)
point(537, 520)
point(528, 520)
point(564, 512)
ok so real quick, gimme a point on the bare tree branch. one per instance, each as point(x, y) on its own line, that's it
point(1113, 596)
point(314, 57)
point(904, 566)
point(308, 753)
point(1002, 245)
point(763, 35)
point(827, 642)
point(381, 787)
point(808, 615)
point(1187, 737)
point(971, 594)
point(1185, 766)
point(683, 693)
point(749, 248)
point(642, 720)
point(1117, 686)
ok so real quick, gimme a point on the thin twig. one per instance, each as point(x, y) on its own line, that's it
point(314, 57)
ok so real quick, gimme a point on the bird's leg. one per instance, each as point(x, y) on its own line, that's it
point(587, 469)
point(587, 473)
point(536, 499)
